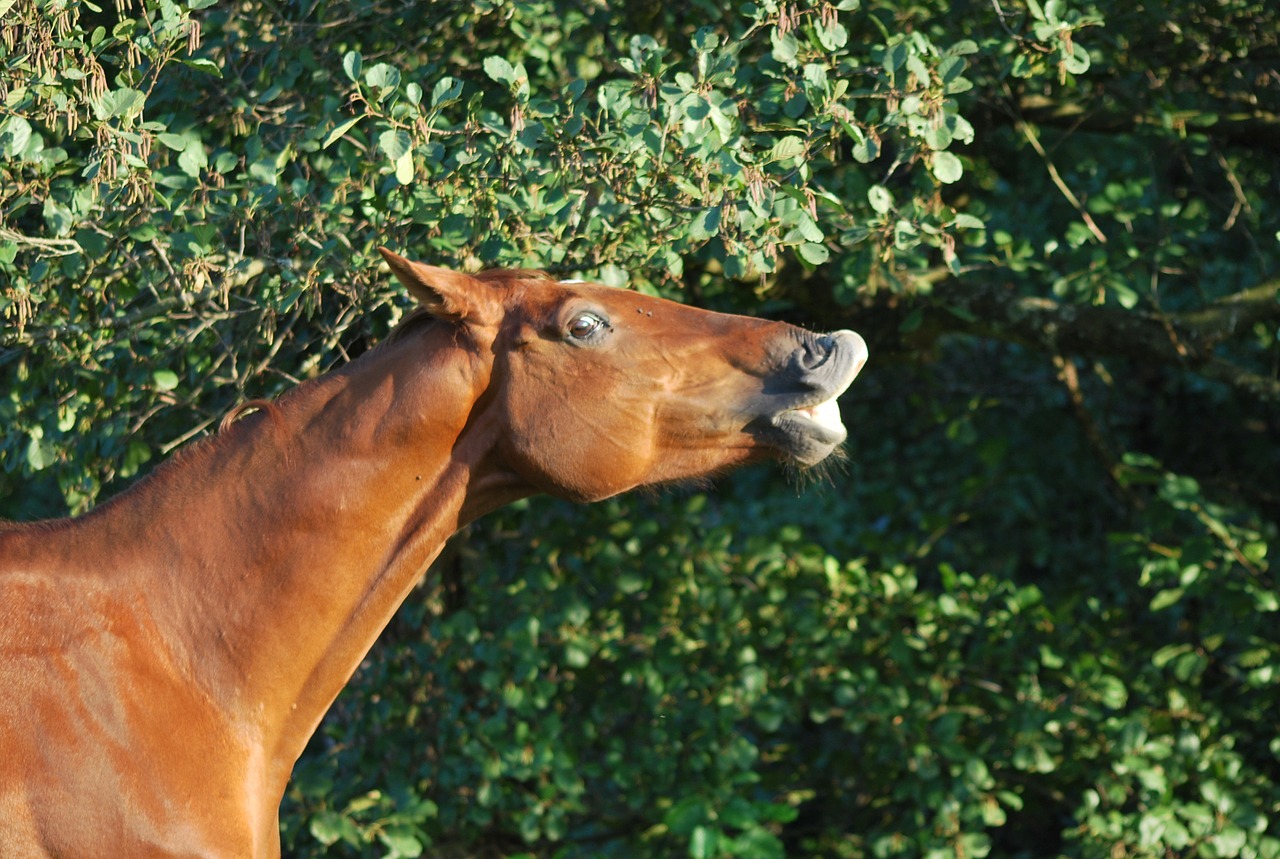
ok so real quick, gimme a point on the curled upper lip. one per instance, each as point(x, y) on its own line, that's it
point(799, 416)
point(829, 380)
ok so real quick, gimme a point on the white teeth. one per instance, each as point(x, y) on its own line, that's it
point(826, 415)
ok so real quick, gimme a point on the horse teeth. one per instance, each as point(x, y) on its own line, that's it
point(825, 414)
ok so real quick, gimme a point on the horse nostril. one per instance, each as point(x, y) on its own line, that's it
point(816, 351)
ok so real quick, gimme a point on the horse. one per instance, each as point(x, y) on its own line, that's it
point(165, 657)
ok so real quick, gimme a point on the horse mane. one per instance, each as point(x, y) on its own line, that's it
point(492, 275)
point(233, 427)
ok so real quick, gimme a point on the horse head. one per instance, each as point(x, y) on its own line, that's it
point(601, 389)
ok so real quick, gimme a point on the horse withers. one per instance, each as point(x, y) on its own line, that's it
point(164, 658)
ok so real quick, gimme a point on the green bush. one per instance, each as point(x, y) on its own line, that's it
point(1032, 614)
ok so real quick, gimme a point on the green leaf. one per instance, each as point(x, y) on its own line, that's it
point(209, 67)
point(787, 147)
point(576, 655)
point(351, 63)
point(912, 321)
point(950, 68)
point(125, 102)
point(813, 253)
point(1125, 294)
point(383, 77)
point(683, 817)
point(905, 234)
point(165, 379)
point(1230, 841)
point(705, 224)
point(446, 91)
point(937, 136)
point(706, 39)
point(137, 455)
point(329, 827)
point(193, 159)
point(340, 130)
point(785, 47)
point(630, 581)
point(880, 198)
point(402, 839)
point(1077, 62)
point(404, 168)
point(895, 56)
point(808, 229)
point(1168, 653)
point(57, 216)
point(530, 826)
point(225, 162)
point(866, 150)
point(947, 167)
point(41, 453)
point(1112, 691)
point(703, 843)
point(1166, 598)
point(500, 70)
point(15, 133)
point(833, 37)
point(395, 143)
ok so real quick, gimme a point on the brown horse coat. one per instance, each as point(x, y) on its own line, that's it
point(164, 658)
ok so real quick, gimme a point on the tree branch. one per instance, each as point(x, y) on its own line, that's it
point(1257, 129)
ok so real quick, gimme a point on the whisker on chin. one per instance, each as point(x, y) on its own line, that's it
point(805, 476)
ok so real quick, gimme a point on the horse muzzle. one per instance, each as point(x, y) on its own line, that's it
point(802, 416)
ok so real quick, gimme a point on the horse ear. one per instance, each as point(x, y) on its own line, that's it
point(442, 293)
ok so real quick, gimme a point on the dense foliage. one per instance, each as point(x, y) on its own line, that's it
point(1033, 614)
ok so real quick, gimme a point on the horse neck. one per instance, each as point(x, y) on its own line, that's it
point(277, 556)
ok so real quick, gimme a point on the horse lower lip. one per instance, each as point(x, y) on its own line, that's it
point(798, 436)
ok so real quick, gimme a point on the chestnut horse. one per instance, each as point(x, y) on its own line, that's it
point(164, 658)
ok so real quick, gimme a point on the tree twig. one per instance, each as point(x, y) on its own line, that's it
point(1029, 133)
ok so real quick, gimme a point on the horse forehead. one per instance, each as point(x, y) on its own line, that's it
point(534, 294)
point(625, 301)
point(549, 297)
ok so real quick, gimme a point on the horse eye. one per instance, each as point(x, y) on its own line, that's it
point(584, 325)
